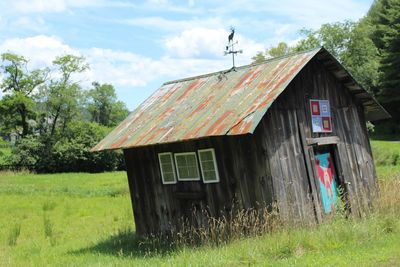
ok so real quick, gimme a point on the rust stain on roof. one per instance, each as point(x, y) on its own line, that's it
point(221, 103)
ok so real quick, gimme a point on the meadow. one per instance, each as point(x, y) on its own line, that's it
point(81, 219)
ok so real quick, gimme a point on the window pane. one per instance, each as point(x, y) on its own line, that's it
point(167, 168)
point(187, 166)
point(206, 155)
point(180, 160)
point(193, 171)
point(165, 159)
point(208, 166)
point(169, 177)
point(191, 160)
point(209, 175)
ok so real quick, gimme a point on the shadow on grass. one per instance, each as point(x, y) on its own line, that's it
point(128, 244)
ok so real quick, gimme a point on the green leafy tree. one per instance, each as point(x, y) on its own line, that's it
point(19, 85)
point(335, 37)
point(104, 107)
point(259, 57)
point(62, 98)
point(351, 44)
point(384, 16)
point(361, 57)
point(280, 50)
point(69, 153)
point(275, 51)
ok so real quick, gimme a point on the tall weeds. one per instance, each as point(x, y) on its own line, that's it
point(219, 231)
point(10, 173)
point(389, 200)
point(14, 233)
point(256, 222)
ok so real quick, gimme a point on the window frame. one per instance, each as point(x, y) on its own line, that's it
point(214, 162)
point(173, 168)
point(177, 167)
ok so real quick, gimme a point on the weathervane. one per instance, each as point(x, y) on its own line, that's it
point(229, 49)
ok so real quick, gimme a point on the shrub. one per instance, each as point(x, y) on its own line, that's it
point(67, 152)
point(27, 152)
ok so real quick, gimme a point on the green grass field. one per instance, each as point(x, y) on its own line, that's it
point(84, 219)
point(5, 152)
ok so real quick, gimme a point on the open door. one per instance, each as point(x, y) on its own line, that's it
point(327, 177)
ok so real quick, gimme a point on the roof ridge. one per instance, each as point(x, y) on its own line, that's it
point(242, 67)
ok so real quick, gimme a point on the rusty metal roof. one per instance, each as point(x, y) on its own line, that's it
point(221, 103)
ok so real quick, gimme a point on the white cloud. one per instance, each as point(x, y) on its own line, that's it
point(34, 24)
point(129, 69)
point(30, 6)
point(309, 13)
point(46, 6)
point(208, 43)
point(172, 25)
point(191, 3)
point(41, 50)
point(157, 2)
point(197, 43)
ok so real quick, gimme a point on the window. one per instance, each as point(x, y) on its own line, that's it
point(186, 166)
point(208, 165)
point(167, 168)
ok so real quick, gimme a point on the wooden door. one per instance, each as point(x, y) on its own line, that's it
point(327, 178)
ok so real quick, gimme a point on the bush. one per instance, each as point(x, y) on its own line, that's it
point(27, 152)
point(69, 152)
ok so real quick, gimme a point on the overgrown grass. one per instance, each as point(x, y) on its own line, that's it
point(386, 153)
point(5, 152)
point(86, 220)
point(64, 184)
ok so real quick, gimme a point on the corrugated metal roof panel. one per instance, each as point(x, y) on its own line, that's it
point(223, 103)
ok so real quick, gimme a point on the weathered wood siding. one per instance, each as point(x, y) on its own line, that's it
point(276, 163)
point(287, 127)
point(158, 207)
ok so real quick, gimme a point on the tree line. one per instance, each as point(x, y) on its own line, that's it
point(52, 119)
point(369, 49)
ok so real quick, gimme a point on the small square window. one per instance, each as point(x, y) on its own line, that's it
point(208, 165)
point(167, 168)
point(186, 165)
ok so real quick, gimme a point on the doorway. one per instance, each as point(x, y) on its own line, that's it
point(329, 184)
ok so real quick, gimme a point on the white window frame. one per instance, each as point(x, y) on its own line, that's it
point(177, 167)
point(215, 165)
point(173, 168)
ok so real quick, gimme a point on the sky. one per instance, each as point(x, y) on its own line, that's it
point(138, 45)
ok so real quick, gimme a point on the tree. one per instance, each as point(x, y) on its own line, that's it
point(60, 100)
point(385, 17)
point(259, 57)
point(362, 58)
point(104, 107)
point(280, 50)
point(351, 44)
point(19, 84)
point(335, 37)
point(68, 153)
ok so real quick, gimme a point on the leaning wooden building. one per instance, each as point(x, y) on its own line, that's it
point(291, 130)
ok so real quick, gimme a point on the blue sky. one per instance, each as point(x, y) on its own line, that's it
point(138, 45)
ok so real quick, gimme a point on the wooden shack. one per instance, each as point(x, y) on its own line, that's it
point(291, 130)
